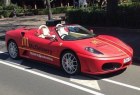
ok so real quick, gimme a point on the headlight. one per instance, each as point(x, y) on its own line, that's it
point(92, 50)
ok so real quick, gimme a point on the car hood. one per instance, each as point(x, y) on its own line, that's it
point(109, 46)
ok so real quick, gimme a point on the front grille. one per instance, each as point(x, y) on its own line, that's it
point(111, 66)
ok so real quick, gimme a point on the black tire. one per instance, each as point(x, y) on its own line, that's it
point(13, 50)
point(70, 63)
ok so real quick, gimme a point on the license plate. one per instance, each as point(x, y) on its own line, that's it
point(127, 60)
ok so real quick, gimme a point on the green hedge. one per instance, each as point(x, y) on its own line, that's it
point(7, 11)
point(85, 17)
point(11, 7)
point(54, 10)
point(127, 16)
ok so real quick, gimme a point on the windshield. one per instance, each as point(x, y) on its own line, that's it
point(74, 32)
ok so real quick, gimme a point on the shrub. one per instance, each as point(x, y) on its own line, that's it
point(86, 17)
point(126, 16)
point(130, 14)
point(59, 10)
point(1, 8)
point(56, 10)
point(12, 7)
point(6, 13)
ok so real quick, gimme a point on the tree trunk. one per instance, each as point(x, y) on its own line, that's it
point(7, 2)
point(49, 8)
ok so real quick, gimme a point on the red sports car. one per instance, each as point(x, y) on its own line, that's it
point(72, 47)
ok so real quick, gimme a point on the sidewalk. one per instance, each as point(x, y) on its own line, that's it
point(30, 21)
point(129, 36)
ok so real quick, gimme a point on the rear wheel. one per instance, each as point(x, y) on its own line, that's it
point(13, 50)
point(70, 63)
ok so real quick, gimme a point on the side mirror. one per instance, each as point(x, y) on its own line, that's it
point(91, 30)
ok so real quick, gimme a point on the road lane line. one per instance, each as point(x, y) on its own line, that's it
point(1, 52)
point(119, 83)
point(4, 52)
point(52, 78)
point(88, 82)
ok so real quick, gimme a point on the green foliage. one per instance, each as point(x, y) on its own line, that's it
point(56, 10)
point(1, 3)
point(11, 7)
point(6, 10)
point(87, 16)
point(60, 10)
point(135, 0)
point(1, 8)
point(130, 14)
point(6, 13)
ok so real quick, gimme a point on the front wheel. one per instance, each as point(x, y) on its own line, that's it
point(70, 63)
point(13, 50)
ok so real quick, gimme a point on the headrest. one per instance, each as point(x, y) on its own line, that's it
point(45, 31)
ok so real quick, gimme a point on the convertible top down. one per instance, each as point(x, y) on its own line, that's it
point(72, 47)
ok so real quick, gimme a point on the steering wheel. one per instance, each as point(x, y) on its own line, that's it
point(63, 35)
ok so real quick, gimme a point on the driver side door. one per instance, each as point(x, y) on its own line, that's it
point(44, 50)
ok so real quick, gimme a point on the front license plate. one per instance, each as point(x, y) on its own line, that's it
point(127, 60)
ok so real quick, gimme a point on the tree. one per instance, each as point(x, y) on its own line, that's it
point(49, 8)
point(6, 2)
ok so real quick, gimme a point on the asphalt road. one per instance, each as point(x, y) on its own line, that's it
point(26, 77)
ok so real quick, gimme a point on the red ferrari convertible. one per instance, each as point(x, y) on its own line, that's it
point(71, 47)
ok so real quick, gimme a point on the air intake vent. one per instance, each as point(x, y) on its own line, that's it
point(111, 66)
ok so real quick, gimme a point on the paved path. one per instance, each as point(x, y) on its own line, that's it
point(30, 21)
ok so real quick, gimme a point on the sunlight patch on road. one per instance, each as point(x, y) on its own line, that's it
point(88, 82)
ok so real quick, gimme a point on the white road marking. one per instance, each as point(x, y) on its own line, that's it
point(85, 81)
point(119, 83)
point(52, 78)
point(1, 52)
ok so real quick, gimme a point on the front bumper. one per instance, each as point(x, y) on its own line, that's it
point(96, 65)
